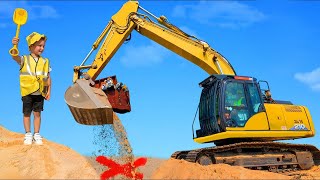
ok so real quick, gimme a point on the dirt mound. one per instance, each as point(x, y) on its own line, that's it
point(180, 169)
point(54, 161)
point(147, 170)
point(49, 161)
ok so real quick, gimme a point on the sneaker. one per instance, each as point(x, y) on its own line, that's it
point(37, 139)
point(27, 139)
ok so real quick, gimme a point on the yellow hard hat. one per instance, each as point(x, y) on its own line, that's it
point(34, 37)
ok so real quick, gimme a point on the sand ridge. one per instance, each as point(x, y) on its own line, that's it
point(181, 169)
point(49, 161)
point(56, 161)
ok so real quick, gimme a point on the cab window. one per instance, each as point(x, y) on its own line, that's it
point(236, 111)
point(255, 98)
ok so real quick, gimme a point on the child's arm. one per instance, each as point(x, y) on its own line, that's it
point(15, 41)
point(49, 88)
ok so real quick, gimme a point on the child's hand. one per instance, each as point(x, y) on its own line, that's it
point(47, 96)
point(15, 41)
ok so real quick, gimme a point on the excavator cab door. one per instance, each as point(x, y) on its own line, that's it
point(235, 111)
point(241, 100)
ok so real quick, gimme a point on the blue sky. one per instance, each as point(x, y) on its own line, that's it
point(277, 41)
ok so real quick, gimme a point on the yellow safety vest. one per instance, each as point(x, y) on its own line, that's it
point(33, 75)
point(238, 102)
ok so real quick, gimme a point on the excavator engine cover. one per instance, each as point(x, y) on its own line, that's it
point(88, 105)
point(117, 92)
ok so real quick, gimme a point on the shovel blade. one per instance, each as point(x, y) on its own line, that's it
point(20, 16)
point(88, 105)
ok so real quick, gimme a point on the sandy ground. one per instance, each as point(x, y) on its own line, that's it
point(55, 161)
point(151, 166)
point(186, 170)
point(49, 161)
point(180, 169)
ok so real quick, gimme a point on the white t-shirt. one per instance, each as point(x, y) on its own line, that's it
point(36, 59)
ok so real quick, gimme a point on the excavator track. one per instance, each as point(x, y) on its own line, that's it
point(271, 156)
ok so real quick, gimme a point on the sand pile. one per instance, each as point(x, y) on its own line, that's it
point(54, 161)
point(151, 166)
point(180, 169)
point(49, 161)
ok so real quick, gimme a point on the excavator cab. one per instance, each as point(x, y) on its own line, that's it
point(227, 101)
point(233, 109)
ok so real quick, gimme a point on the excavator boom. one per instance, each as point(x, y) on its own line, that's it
point(127, 19)
point(90, 109)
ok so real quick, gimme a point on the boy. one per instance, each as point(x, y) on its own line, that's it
point(35, 84)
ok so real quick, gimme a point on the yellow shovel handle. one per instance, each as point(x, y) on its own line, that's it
point(14, 50)
point(18, 30)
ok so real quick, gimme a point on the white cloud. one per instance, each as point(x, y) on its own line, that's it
point(141, 56)
point(316, 87)
point(226, 14)
point(312, 78)
point(7, 9)
point(42, 12)
point(34, 11)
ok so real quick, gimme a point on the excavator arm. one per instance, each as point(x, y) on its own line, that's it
point(128, 19)
point(90, 105)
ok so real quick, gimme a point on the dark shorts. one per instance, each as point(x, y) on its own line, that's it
point(32, 103)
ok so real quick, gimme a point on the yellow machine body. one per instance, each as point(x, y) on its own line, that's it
point(278, 122)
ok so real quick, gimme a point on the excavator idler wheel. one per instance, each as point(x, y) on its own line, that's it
point(181, 156)
point(204, 160)
point(273, 169)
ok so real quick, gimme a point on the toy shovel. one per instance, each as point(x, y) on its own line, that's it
point(20, 17)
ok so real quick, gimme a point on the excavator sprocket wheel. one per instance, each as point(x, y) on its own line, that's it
point(204, 160)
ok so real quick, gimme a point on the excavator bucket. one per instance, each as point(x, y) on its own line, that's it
point(88, 105)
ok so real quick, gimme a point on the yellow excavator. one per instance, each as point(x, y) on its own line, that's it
point(234, 112)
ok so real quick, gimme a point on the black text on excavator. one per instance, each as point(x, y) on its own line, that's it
point(233, 111)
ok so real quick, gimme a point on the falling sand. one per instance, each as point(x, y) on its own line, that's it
point(112, 139)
